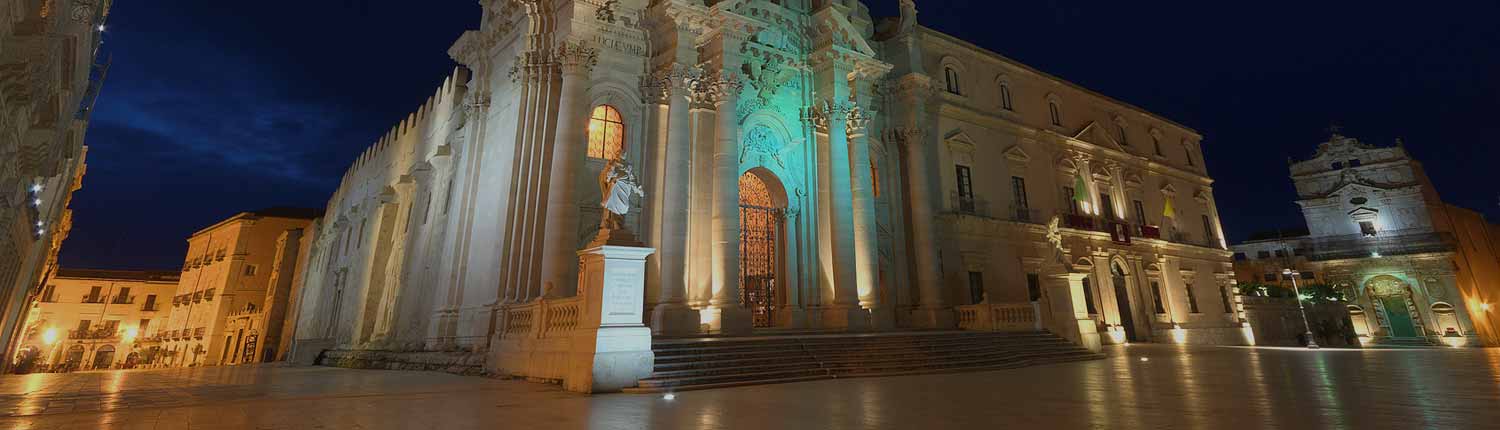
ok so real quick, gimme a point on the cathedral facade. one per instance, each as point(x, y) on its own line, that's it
point(803, 166)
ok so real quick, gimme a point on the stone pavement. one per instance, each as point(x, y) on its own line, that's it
point(1138, 386)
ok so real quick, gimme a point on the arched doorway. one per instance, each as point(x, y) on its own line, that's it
point(761, 223)
point(1122, 299)
point(1392, 299)
point(104, 357)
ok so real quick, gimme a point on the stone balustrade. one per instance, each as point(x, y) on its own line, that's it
point(999, 317)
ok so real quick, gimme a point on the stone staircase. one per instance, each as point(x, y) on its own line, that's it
point(716, 362)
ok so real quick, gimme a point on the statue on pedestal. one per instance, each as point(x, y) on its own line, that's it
point(617, 184)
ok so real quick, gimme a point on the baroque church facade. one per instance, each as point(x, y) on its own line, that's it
point(803, 166)
point(1415, 269)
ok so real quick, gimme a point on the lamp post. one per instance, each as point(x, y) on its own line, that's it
point(1311, 343)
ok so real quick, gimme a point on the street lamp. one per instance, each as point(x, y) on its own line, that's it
point(1311, 343)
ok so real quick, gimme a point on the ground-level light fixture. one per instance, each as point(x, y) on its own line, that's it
point(669, 396)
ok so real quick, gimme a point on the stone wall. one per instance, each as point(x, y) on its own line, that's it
point(1276, 322)
point(458, 363)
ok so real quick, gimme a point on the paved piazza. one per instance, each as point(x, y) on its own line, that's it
point(1141, 386)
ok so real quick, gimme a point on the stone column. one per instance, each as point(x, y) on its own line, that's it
point(866, 256)
point(727, 314)
point(832, 116)
point(671, 315)
point(933, 311)
point(560, 243)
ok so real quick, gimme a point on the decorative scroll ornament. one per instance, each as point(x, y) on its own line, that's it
point(674, 80)
point(714, 90)
point(856, 120)
point(820, 114)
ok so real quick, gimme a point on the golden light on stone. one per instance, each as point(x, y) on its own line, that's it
point(50, 336)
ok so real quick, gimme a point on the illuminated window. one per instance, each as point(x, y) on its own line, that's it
point(606, 133)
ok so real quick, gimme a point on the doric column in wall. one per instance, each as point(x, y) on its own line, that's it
point(832, 115)
point(560, 261)
point(670, 313)
point(913, 92)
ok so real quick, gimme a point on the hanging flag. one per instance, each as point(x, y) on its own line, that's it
point(1080, 194)
point(1166, 210)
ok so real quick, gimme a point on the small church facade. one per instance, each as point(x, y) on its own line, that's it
point(1415, 270)
point(803, 166)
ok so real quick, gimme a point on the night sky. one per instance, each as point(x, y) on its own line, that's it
point(212, 108)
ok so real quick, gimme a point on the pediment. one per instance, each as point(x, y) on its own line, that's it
point(1201, 196)
point(1015, 153)
point(1362, 211)
point(835, 30)
point(1168, 189)
point(1096, 134)
point(959, 141)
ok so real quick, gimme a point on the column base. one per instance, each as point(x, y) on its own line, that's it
point(846, 318)
point(792, 318)
point(674, 319)
point(934, 318)
point(883, 317)
point(727, 319)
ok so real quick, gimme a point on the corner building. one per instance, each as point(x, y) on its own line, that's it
point(804, 167)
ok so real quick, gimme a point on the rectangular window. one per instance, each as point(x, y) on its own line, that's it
point(1239, 256)
point(1192, 299)
point(1156, 145)
point(1124, 141)
point(1140, 212)
point(1005, 97)
point(976, 287)
point(1160, 303)
point(1088, 297)
point(145, 322)
point(1208, 230)
point(1018, 190)
point(965, 189)
point(1188, 153)
point(249, 270)
point(123, 297)
point(93, 295)
point(1106, 206)
point(1034, 286)
point(1280, 253)
point(1228, 305)
point(84, 325)
point(1367, 228)
point(1068, 197)
point(1056, 116)
point(1262, 254)
point(111, 326)
point(150, 303)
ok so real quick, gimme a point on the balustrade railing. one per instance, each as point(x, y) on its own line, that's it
point(1384, 243)
point(969, 205)
point(999, 317)
point(542, 319)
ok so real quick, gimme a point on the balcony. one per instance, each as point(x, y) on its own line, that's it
point(94, 333)
point(1385, 243)
point(92, 299)
point(150, 307)
point(123, 300)
point(1025, 214)
point(198, 332)
point(1147, 231)
point(969, 205)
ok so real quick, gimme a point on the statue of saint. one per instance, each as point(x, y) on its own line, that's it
point(617, 183)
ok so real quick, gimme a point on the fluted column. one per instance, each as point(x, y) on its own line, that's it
point(671, 315)
point(560, 243)
point(921, 156)
point(728, 314)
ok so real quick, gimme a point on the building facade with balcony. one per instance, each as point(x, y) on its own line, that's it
point(232, 266)
point(1415, 269)
point(49, 78)
point(95, 319)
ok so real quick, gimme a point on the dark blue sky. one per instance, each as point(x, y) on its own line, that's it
point(212, 108)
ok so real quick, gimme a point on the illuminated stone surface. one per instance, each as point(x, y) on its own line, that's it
point(1203, 388)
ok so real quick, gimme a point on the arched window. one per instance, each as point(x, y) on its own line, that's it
point(1005, 96)
point(952, 77)
point(1056, 112)
point(606, 133)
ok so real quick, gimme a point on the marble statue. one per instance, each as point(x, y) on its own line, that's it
point(617, 183)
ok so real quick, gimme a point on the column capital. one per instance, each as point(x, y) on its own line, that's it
point(576, 57)
point(675, 79)
point(716, 88)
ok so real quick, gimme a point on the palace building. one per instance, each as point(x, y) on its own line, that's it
point(803, 165)
point(95, 319)
point(1416, 270)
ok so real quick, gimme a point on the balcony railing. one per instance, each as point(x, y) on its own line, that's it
point(969, 205)
point(1385, 243)
point(94, 333)
point(93, 299)
point(198, 332)
point(149, 307)
point(1025, 214)
point(123, 300)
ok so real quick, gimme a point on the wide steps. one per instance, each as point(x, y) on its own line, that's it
point(692, 364)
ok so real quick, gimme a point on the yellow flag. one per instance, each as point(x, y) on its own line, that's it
point(1166, 209)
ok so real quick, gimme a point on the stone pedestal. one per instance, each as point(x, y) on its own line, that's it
point(675, 319)
point(846, 317)
point(728, 319)
point(1070, 318)
point(883, 317)
point(611, 349)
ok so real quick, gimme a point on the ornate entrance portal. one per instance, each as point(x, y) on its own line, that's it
point(760, 226)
